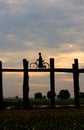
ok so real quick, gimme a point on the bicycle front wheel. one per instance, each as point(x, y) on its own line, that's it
point(46, 65)
point(33, 65)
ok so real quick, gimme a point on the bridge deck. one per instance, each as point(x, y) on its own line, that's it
point(37, 70)
point(43, 70)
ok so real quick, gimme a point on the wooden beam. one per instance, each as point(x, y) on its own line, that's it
point(39, 70)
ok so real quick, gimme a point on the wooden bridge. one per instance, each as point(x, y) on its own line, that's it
point(75, 70)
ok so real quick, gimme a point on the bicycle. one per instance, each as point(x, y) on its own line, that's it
point(35, 65)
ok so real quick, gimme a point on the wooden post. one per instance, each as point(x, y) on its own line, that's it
point(1, 87)
point(25, 85)
point(76, 83)
point(52, 82)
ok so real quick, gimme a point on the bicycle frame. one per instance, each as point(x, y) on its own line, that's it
point(35, 65)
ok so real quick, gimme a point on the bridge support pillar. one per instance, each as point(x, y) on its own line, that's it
point(1, 87)
point(25, 85)
point(52, 83)
point(76, 83)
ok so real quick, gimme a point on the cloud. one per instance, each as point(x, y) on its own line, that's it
point(50, 25)
point(38, 85)
point(67, 79)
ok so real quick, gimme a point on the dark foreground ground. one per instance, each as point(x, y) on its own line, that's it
point(42, 119)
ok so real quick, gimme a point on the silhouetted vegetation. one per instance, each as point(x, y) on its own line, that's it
point(50, 94)
point(39, 103)
point(38, 95)
point(81, 95)
point(64, 94)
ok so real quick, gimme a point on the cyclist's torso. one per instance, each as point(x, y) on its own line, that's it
point(40, 61)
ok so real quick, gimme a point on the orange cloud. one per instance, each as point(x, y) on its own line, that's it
point(64, 78)
point(38, 85)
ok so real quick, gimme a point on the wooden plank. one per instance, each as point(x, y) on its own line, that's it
point(39, 70)
point(81, 70)
point(69, 70)
point(63, 70)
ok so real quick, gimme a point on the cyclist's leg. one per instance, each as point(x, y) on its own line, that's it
point(44, 66)
point(40, 65)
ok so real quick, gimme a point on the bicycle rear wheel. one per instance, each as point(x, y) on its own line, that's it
point(46, 65)
point(33, 65)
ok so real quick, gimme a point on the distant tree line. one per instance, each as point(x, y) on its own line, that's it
point(63, 94)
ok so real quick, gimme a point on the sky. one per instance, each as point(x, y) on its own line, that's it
point(53, 27)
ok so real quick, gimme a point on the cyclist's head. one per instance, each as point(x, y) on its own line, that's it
point(39, 53)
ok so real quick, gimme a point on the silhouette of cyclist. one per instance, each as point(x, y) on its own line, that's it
point(40, 61)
